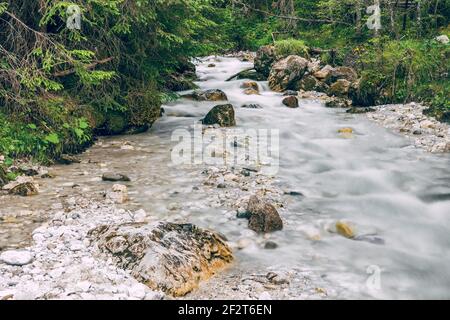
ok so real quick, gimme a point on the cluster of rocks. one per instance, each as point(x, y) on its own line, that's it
point(302, 74)
point(408, 119)
point(94, 250)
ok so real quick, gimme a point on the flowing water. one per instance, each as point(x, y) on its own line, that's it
point(373, 179)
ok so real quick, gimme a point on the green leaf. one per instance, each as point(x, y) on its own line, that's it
point(52, 138)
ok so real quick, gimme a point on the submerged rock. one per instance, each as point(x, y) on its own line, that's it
point(264, 217)
point(270, 245)
point(222, 115)
point(251, 92)
point(286, 73)
point(251, 106)
point(115, 177)
point(170, 257)
point(291, 102)
point(250, 85)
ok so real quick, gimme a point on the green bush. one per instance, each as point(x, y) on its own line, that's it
point(398, 71)
point(291, 47)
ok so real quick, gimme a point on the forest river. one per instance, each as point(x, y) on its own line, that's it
point(396, 195)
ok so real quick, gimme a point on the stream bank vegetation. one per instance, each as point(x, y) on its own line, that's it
point(61, 86)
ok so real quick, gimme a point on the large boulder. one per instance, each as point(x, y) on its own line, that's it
point(264, 217)
point(287, 73)
point(339, 73)
point(222, 115)
point(170, 257)
point(265, 58)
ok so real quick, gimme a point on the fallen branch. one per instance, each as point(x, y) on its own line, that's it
point(237, 74)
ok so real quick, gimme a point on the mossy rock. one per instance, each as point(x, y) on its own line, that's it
point(251, 75)
point(222, 115)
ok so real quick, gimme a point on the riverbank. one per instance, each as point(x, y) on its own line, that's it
point(410, 120)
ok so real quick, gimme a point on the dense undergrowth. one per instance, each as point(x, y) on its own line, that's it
point(59, 87)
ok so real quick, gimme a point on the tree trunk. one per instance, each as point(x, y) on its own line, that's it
point(358, 16)
point(405, 15)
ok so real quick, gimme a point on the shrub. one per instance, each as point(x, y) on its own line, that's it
point(291, 47)
point(398, 71)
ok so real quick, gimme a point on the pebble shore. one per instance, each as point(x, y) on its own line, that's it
point(409, 120)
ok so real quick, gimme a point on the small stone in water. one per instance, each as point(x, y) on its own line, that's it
point(344, 230)
point(270, 245)
point(243, 214)
point(115, 177)
point(371, 239)
point(345, 130)
point(245, 173)
point(294, 193)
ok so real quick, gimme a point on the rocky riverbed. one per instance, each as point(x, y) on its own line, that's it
point(345, 193)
